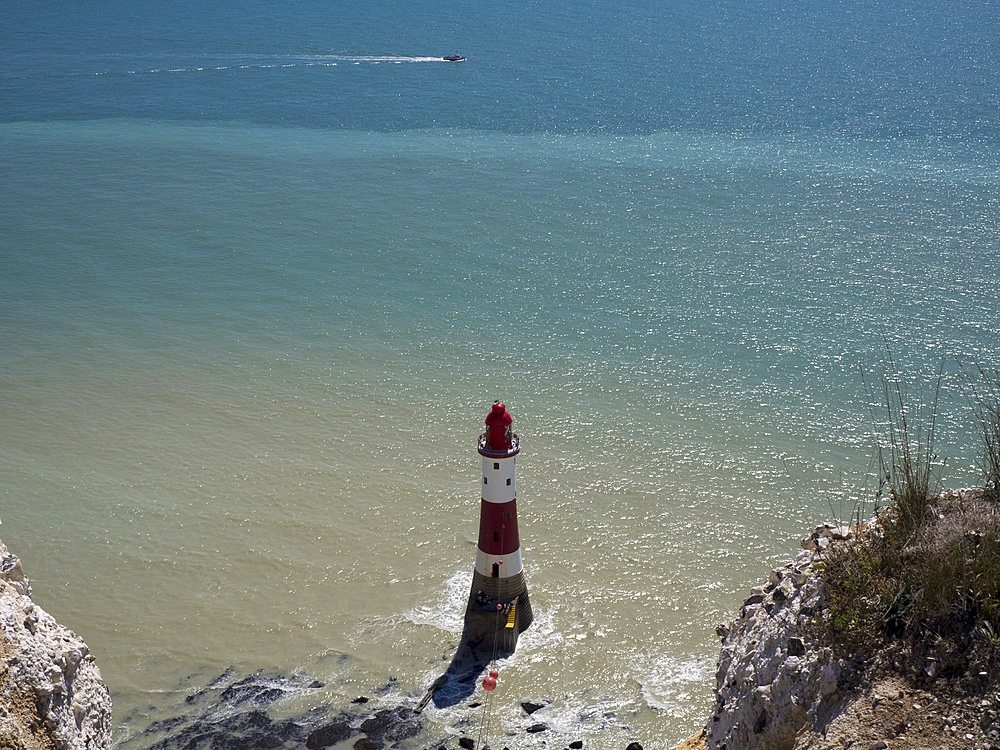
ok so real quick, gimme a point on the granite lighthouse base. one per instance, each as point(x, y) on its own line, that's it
point(487, 626)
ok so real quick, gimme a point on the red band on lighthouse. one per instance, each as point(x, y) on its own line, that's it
point(498, 528)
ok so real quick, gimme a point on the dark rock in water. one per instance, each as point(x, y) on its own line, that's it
point(229, 715)
point(290, 729)
point(166, 725)
point(223, 679)
point(251, 690)
point(267, 742)
point(257, 689)
point(257, 719)
point(576, 744)
point(634, 746)
point(535, 728)
point(391, 725)
point(328, 735)
point(467, 742)
point(530, 708)
point(232, 713)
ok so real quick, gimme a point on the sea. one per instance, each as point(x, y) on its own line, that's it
point(264, 267)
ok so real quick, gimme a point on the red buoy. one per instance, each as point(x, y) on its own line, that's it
point(489, 683)
point(494, 674)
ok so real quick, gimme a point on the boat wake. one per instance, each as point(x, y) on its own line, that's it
point(244, 63)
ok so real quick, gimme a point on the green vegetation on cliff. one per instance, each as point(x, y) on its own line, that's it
point(927, 571)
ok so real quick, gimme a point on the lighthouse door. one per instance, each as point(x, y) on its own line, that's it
point(496, 570)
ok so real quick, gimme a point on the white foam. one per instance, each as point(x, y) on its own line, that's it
point(296, 685)
point(446, 610)
point(582, 713)
point(542, 637)
point(667, 683)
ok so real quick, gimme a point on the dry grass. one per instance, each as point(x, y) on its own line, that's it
point(930, 567)
point(982, 387)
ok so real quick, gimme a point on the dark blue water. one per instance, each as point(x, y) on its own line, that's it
point(877, 70)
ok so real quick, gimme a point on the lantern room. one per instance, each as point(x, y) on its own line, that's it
point(499, 439)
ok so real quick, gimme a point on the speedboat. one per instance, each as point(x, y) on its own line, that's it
point(454, 58)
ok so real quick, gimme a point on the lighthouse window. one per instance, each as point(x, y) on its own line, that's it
point(496, 464)
point(508, 481)
point(484, 481)
point(496, 536)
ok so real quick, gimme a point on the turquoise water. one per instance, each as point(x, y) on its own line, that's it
point(262, 272)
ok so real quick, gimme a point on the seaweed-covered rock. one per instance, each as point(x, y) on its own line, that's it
point(231, 712)
point(237, 712)
point(328, 734)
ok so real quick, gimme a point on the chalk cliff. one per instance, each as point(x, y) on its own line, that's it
point(51, 692)
point(781, 685)
point(773, 678)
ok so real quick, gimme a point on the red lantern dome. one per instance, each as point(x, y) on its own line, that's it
point(498, 422)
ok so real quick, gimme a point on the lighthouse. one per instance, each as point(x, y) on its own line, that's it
point(498, 609)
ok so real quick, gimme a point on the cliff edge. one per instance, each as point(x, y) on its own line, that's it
point(51, 692)
point(785, 681)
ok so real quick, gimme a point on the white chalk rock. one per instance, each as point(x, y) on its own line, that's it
point(52, 684)
point(772, 675)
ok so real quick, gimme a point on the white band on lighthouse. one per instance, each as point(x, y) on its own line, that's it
point(510, 565)
point(499, 484)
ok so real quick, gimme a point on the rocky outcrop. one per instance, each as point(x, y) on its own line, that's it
point(773, 678)
point(51, 692)
point(781, 683)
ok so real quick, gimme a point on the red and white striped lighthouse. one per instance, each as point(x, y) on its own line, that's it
point(498, 608)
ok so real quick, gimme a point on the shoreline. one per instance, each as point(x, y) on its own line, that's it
point(781, 683)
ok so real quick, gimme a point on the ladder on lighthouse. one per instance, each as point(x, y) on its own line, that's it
point(512, 616)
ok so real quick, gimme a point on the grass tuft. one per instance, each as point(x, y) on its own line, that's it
point(929, 567)
point(982, 388)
